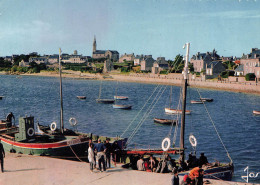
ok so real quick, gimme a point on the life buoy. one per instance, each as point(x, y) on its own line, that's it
point(53, 126)
point(166, 141)
point(30, 132)
point(73, 121)
point(193, 140)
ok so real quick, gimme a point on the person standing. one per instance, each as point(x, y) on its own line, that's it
point(175, 178)
point(108, 153)
point(91, 156)
point(2, 156)
point(100, 148)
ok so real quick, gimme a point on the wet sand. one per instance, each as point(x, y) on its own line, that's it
point(34, 170)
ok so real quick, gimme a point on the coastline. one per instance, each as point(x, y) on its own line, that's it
point(240, 87)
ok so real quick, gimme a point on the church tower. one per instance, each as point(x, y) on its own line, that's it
point(94, 45)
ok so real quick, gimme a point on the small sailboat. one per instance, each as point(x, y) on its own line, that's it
point(170, 110)
point(120, 106)
point(105, 101)
point(165, 121)
point(256, 112)
point(196, 102)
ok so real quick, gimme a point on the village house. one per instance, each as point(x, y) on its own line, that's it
point(251, 62)
point(159, 65)
point(200, 61)
point(139, 58)
point(147, 64)
point(127, 57)
point(100, 54)
point(24, 64)
point(39, 60)
point(214, 68)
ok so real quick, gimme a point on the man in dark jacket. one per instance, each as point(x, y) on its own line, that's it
point(108, 153)
point(2, 155)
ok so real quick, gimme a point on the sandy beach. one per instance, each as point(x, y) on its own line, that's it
point(246, 87)
point(34, 170)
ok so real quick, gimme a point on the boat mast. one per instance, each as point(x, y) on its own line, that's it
point(184, 93)
point(61, 99)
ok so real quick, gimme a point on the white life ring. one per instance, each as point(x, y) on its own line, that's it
point(73, 121)
point(193, 140)
point(53, 126)
point(166, 141)
point(30, 132)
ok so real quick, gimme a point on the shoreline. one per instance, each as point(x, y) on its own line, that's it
point(248, 87)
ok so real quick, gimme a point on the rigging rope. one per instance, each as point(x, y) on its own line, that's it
point(215, 129)
point(146, 114)
point(140, 110)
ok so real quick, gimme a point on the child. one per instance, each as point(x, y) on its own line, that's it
point(91, 156)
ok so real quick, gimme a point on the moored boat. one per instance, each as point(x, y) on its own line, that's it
point(116, 106)
point(256, 112)
point(196, 102)
point(206, 99)
point(176, 111)
point(165, 121)
point(81, 97)
point(106, 101)
point(120, 97)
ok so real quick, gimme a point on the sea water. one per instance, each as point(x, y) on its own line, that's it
point(231, 114)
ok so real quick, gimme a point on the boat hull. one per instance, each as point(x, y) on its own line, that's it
point(81, 97)
point(105, 101)
point(255, 112)
point(122, 106)
point(206, 99)
point(196, 102)
point(176, 111)
point(164, 121)
point(59, 149)
point(120, 97)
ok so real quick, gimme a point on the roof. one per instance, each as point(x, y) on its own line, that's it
point(214, 63)
point(240, 68)
point(99, 52)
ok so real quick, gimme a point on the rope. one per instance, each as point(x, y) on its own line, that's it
point(216, 129)
point(140, 111)
point(75, 154)
point(146, 114)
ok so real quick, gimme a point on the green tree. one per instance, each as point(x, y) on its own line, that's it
point(177, 65)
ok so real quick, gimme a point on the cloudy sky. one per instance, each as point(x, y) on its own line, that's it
point(157, 27)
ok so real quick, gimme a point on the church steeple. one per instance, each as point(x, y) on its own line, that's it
point(94, 44)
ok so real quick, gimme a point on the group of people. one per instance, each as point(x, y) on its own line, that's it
point(101, 153)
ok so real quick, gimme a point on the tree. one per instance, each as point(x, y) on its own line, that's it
point(177, 65)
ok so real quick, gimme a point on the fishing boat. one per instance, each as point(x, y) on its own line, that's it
point(206, 99)
point(223, 171)
point(196, 102)
point(49, 140)
point(116, 106)
point(120, 97)
point(105, 101)
point(164, 121)
point(81, 97)
point(176, 111)
point(256, 112)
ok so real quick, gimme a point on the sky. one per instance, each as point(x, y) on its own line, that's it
point(156, 27)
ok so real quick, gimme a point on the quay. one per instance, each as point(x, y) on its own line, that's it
point(35, 170)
